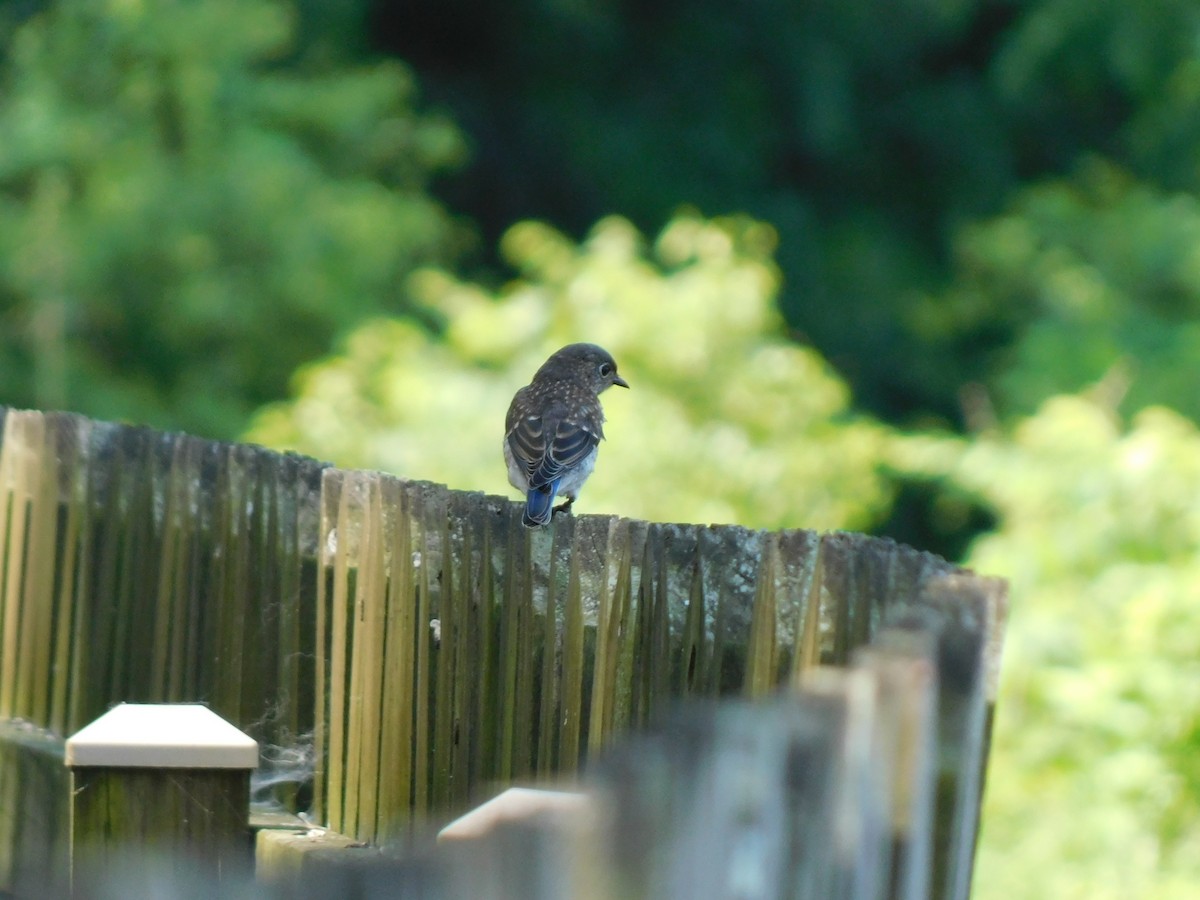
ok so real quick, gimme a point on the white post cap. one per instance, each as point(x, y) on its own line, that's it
point(161, 736)
point(513, 804)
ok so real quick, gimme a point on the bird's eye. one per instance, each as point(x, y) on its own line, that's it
point(605, 370)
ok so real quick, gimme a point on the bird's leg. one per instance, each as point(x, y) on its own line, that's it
point(564, 507)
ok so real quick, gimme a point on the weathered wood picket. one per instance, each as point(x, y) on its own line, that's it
point(421, 647)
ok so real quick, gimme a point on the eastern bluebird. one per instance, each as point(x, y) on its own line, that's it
point(554, 427)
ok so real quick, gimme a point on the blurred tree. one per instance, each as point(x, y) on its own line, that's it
point(866, 133)
point(1094, 784)
point(1092, 275)
point(182, 222)
point(726, 421)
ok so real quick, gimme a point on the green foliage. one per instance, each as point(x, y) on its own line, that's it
point(1094, 274)
point(1095, 774)
point(182, 222)
point(726, 420)
point(866, 133)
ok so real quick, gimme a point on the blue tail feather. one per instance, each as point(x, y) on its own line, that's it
point(539, 504)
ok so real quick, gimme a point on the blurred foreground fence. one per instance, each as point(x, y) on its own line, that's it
point(399, 649)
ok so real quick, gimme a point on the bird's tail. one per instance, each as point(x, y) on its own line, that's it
point(539, 504)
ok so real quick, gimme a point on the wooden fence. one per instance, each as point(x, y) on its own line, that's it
point(421, 646)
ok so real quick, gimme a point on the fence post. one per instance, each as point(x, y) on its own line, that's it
point(161, 779)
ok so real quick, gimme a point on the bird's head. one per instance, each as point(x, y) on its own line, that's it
point(592, 365)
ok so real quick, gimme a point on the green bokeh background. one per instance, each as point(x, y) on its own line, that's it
point(928, 268)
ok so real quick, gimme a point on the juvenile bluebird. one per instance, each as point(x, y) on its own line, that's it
point(554, 427)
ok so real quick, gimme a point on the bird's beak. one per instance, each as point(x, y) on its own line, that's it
point(618, 380)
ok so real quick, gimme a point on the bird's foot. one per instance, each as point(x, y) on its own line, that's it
point(564, 507)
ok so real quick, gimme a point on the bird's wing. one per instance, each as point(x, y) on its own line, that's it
point(549, 445)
